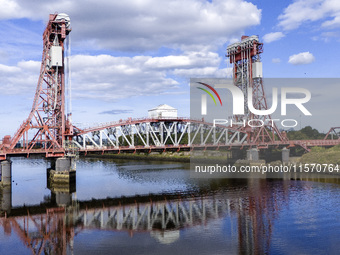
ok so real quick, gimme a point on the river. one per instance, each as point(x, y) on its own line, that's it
point(151, 207)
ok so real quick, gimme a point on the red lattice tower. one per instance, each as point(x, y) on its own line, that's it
point(247, 75)
point(47, 124)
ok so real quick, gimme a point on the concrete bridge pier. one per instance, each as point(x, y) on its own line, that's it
point(62, 172)
point(237, 154)
point(61, 197)
point(285, 155)
point(65, 164)
point(61, 180)
point(6, 198)
point(6, 172)
point(6, 186)
point(253, 154)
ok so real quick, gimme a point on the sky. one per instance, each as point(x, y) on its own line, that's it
point(130, 56)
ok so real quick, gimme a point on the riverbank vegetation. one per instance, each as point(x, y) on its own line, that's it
point(322, 155)
point(306, 133)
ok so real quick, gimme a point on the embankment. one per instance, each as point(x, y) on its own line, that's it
point(322, 156)
point(206, 156)
point(165, 156)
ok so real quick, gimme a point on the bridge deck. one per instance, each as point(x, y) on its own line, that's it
point(277, 144)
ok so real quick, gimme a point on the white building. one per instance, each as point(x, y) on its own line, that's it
point(163, 111)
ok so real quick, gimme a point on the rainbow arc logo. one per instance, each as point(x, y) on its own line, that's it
point(204, 98)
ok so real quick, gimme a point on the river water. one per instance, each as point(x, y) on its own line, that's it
point(149, 207)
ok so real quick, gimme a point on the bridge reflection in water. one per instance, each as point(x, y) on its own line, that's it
point(251, 213)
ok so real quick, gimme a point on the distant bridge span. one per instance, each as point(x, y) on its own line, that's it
point(176, 134)
point(161, 134)
point(157, 134)
point(143, 134)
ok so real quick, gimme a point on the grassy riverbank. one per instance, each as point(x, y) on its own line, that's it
point(322, 156)
point(316, 155)
point(166, 156)
point(207, 156)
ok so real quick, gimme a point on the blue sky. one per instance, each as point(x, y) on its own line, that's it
point(130, 56)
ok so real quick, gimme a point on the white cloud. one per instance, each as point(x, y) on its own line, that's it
point(190, 29)
point(29, 65)
point(204, 72)
point(327, 36)
point(111, 78)
point(271, 37)
point(19, 79)
point(135, 25)
point(276, 60)
point(168, 62)
point(302, 11)
point(189, 59)
point(10, 9)
point(332, 23)
point(302, 58)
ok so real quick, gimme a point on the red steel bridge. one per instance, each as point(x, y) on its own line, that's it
point(49, 130)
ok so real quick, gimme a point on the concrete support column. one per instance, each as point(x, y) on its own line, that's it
point(285, 155)
point(61, 183)
point(62, 173)
point(6, 185)
point(6, 172)
point(63, 198)
point(253, 154)
point(6, 199)
point(64, 164)
point(237, 154)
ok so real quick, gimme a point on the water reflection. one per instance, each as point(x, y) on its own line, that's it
point(5, 199)
point(236, 216)
point(162, 216)
point(61, 192)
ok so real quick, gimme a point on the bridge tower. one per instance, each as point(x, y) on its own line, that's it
point(47, 122)
point(247, 75)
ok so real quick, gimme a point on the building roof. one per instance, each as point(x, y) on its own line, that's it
point(163, 107)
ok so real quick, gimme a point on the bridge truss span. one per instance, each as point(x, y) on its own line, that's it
point(161, 133)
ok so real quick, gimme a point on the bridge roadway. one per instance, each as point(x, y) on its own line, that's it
point(145, 134)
